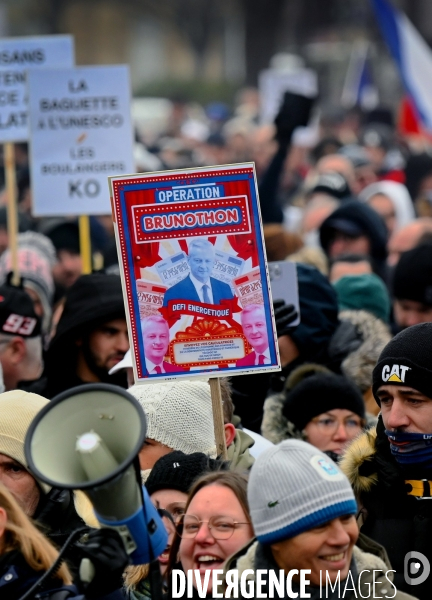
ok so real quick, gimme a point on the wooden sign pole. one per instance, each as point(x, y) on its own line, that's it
point(218, 419)
point(85, 244)
point(12, 216)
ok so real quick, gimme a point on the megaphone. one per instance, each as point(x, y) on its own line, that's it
point(88, 438)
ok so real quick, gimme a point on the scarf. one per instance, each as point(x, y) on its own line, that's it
point(416, 448)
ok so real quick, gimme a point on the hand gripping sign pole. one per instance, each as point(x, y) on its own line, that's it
point(12, 217)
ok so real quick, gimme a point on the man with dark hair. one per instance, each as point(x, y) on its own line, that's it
point(390, 468)
point(91, 336)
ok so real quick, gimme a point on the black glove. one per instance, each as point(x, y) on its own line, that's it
point(105, 550)
point(285, 314)
point(294, 112)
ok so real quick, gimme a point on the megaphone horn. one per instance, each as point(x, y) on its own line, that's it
point(88, 438)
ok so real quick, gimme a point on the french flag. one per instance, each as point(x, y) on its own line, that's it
point(412, 55)
point(359, 88)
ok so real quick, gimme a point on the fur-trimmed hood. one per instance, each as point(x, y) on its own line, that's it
point(359, 354)
point(355, 461)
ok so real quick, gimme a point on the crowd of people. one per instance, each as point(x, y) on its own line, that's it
point(328, 473)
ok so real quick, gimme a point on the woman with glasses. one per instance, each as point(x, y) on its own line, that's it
point(216, 524)
point(324, 409)
point(168, 485)
point(307, 540)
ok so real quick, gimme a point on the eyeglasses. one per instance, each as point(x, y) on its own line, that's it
point(176, 509)
point(329, 425)
point(221, 528)
point(171, 515)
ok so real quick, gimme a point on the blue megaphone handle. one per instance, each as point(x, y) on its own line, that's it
point(144, 529)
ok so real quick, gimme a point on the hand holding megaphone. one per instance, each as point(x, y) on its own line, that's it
point(88, 438)
point(105, 559)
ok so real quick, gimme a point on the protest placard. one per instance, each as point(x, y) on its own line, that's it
point(194, 272)
point(16, 56)
point(81, 132)
point(273, 83)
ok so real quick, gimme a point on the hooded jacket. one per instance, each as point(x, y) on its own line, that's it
point(366, 219)
point(399, 197)
point(368, 556)
point(239, 456)
point(388, 515)
point(355, 348)
point(91, 301)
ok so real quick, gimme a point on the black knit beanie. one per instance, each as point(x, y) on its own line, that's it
point(412, 279)
point(318, 394)
point(406, 361)
point(178, 471)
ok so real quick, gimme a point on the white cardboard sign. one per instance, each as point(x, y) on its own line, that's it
point(81, 133)
point(16, 56)
point(273, 83)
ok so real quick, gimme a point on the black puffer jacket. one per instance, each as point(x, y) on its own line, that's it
point(390, 516)
point(16, 578)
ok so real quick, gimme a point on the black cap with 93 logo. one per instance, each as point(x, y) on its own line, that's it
point(17, 314)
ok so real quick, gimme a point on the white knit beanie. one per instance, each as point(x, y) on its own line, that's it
point(17, 411)
point(179, 414)
point(294, 487)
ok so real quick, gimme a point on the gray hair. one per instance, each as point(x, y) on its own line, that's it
point(33, 347)
point(200, 244)
point(153, 319)
point(251, 308)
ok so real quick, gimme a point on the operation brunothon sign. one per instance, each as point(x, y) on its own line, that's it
point(194, 272)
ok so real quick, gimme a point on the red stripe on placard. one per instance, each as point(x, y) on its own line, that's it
point(229, 215)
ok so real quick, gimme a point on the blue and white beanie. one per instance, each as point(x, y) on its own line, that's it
point(294, 487)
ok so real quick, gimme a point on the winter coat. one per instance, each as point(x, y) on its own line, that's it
point(357, 344)
point(368, 556)
point(389, 515)
point(16, 578)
